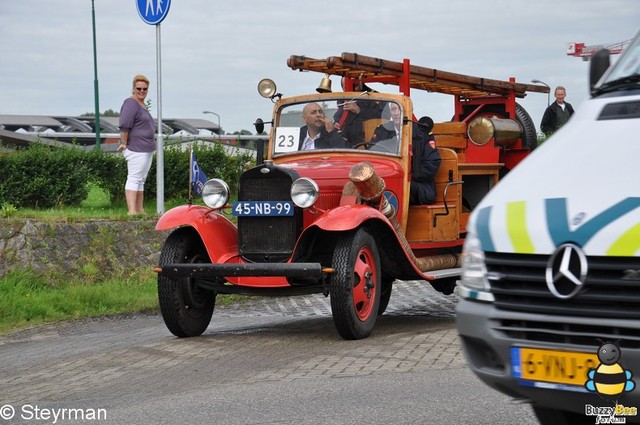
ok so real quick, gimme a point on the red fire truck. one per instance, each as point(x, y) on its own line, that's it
point(337, 220)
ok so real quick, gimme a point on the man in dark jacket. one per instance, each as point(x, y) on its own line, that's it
point(318, 133)
point(556, 114)
point(426, 161)
point(351, 114)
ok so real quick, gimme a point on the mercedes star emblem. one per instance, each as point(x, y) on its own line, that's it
point(566, 271)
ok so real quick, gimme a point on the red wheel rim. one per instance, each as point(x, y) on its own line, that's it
point(364, 294)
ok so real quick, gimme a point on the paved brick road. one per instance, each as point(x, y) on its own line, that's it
point(126, 364)
point(263, 339)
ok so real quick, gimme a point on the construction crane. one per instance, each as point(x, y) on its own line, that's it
point(580, 50)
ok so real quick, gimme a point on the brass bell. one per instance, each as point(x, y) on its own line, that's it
point(325, 85)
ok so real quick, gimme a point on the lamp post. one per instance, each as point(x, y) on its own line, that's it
point(213, 113)
point(548, 94)
point(95, 80)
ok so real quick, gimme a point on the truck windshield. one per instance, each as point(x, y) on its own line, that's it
point(627, 67)
point(339, 124)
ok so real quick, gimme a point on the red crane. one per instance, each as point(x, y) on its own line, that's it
point(580, 50)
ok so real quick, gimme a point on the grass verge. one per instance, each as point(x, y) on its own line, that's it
point(28, 299)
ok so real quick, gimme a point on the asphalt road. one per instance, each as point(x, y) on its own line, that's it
point(266, 361)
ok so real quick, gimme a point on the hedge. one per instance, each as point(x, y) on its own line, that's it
point(43, 177)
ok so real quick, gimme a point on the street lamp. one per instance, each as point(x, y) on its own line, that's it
point(548, 94)
point(95, 79)
point(213, 113)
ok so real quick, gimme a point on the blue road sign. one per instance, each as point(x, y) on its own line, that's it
point(153, 12)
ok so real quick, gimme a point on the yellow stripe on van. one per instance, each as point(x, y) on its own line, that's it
point(517, 227)
point(628, 244)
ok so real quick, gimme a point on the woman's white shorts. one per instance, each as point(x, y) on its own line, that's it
point(138, 165)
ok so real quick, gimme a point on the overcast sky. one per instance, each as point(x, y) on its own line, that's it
point(214, 52)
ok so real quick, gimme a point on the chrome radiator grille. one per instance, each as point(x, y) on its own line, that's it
point(267, 239)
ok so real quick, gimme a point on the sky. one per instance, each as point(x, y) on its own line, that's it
point(213, 53)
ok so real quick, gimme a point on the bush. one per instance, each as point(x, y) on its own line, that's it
point(40, 177)
point(45, 177)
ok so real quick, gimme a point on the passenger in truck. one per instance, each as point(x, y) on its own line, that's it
point(351, 114)
point(318, 131)
point(426, 161)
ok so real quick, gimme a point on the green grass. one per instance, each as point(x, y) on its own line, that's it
point(29, 300)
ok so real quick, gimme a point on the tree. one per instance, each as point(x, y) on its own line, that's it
point(107, 113)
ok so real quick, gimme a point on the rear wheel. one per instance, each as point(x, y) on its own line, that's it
point(529, 135)
point(355, 285)
point(186, 308)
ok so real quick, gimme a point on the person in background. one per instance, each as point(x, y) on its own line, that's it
point(556, 114)
point(426, 161)
point(136, 143)
point(318, 131)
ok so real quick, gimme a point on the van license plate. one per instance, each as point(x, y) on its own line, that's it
point(558, 367)
point(262, 208)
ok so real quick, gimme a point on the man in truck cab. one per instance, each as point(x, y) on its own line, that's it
point(318, 131)
point(425, 155)
point(351, 114)
point(426, 161)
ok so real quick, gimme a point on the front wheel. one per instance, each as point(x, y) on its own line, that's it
point(186, 307)
point(355, 285)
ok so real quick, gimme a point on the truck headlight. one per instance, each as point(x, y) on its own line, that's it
point(474, 283)
point(304, 192)
point(215, 193)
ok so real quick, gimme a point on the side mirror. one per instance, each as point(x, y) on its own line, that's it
point(600, 62)
point(259, 125)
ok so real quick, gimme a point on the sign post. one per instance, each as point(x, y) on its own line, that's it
point(153, 12)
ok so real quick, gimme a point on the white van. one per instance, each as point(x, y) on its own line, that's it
point(550, 291)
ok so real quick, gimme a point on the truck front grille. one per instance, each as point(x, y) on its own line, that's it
point(611, 290)
point(267, 239)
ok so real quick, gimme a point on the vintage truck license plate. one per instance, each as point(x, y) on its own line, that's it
point(262, 208)
point(558, 367)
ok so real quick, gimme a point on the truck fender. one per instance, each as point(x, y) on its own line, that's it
point(220, 236)
point(348, 217)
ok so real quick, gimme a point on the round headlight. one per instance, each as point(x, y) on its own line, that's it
point(267, 88)
point(215, 193)
point(304, 192)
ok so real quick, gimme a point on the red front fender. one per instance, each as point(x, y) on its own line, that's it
point(220, 236)
point(349, 217)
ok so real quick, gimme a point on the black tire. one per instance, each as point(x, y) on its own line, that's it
point(547, 416)
point(355, 285)
point(186, 308)
point(385, 295)
point(529, 134)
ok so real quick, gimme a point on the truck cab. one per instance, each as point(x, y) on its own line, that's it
point(334, 216)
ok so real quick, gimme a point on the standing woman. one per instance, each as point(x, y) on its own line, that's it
point(137, 143)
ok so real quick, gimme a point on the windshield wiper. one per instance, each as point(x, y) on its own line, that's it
point(620, 83)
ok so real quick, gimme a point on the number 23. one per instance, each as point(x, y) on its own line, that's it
point(285, 141)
